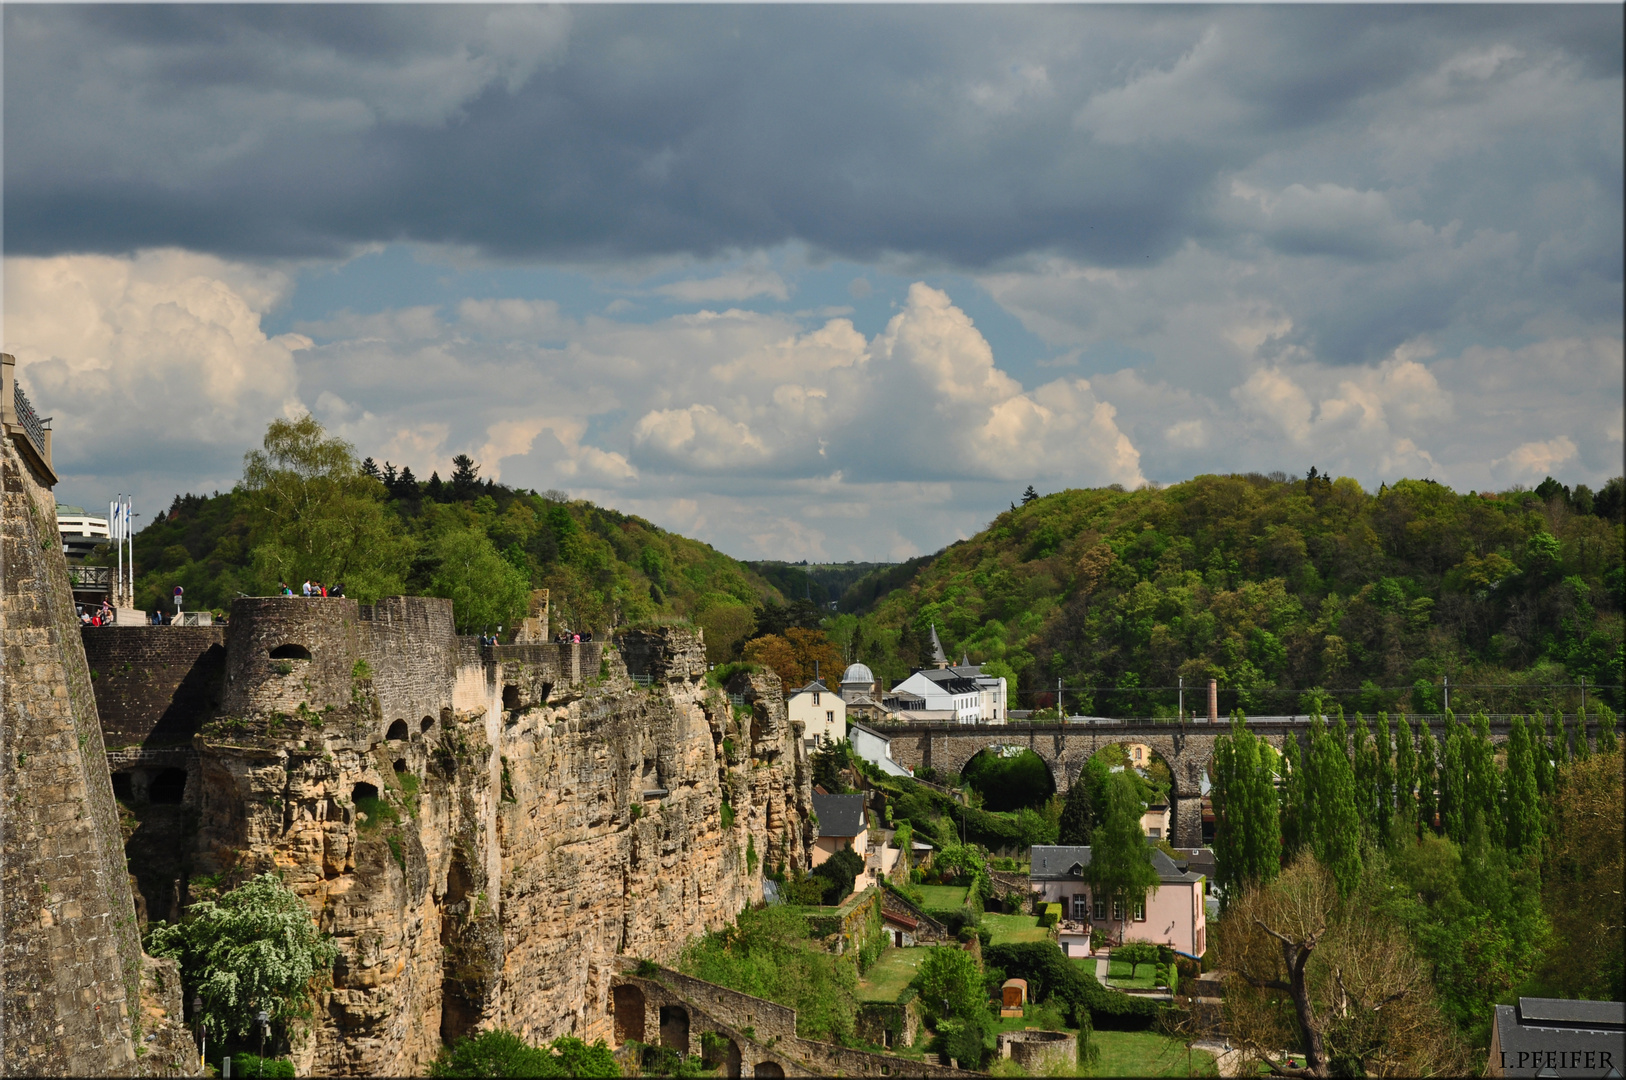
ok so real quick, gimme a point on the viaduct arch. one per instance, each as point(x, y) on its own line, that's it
point(1065, 747)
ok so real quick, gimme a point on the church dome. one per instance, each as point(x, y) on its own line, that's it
point(858, 673)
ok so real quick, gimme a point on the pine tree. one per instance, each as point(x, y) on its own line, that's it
point(1029, 495)
point(1385, 780)
point(465, 476)
point(369, 468)
point(1405, 774)
point(1523, 828)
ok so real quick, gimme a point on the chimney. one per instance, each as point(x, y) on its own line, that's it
point(1213, 701)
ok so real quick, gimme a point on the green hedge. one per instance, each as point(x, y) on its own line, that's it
point(1051, 915)
point(1052, 975)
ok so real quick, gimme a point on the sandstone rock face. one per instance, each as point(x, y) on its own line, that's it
point(484, 830)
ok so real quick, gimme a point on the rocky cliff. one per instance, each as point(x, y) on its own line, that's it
point(482, 830)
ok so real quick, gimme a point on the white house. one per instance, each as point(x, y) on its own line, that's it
point(823, 714)
point(876, 749)
point(974, 698)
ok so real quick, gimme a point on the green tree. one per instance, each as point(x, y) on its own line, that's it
point(465, 476)
point(1120, 858)
point(1405, 774)
point(1247, 831)
point(1385, 779)
point(1523, 827)
point(1454, 801)
point(484, 588)
point(317, 515)
point(1428, 780)
point(1294, 824)
point(1542, 753)
point(1078, 812)
point(950, 983)
point(255, 948)
point(1364, 756)
point(1338, 824)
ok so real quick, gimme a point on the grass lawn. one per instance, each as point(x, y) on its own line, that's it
point(1014, 929)
point(1142, 977)
point(1146, 1053)
point(888, 976)
point(943, 897)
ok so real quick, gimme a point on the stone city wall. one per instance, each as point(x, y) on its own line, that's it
point(154, 684)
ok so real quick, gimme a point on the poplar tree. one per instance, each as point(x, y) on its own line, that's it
point(1078, 812)
point(1292, 814)
point(1485, 783)
point(1364, 757)
point(1542, 753)
point(1405, 773)
point(1583, 750)
point(1120, 858)
point(1247, 833)
point(1561, 743)
point(1454, 814)
point(1523, 828)
point(1428, 780)
point(1606, 729)
point(1385, 780)
point(1338, 824)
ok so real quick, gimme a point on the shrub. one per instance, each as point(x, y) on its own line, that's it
point(1136, 952)
point(502, 1053)
point(1051, 976)
point(838, 873)
point(252, 1065)
point(1051, 916)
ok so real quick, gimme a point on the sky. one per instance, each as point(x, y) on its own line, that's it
point(820, 283)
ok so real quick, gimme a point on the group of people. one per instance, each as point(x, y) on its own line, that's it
point(314, 589)
point(565, 637)
point(102, 616)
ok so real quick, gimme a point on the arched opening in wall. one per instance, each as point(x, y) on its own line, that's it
point(718, 1049)
point(123, 787)
point(629, 1013)
point(400, 764)
point(425, 724)
point(1010, 778)
point(363, 791)
point(1152, 774)
point(290, 651)
point(768, 1068)
point(675, 1028)
point(510, 697)
point(168, 788)
point(397, 731)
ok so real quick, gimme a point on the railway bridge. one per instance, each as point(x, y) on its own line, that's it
point(1066, 746)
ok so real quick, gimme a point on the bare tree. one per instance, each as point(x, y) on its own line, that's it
point(1319, 985)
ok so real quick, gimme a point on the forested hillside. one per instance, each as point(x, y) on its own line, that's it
point(308, 509)
point(1281, 589)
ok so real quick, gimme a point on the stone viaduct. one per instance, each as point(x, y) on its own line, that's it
point(1065, 747)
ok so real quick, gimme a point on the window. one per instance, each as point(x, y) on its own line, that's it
point(1140, 910)
point(829, 716)
point(1081, 907)
point(1154, 832)
point(815, 697)
point(1117, 909)
point(1137, 753)
point(1100, 908)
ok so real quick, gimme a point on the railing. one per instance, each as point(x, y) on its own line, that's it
point(30, 421)
point(87, 578)
point(641, 680)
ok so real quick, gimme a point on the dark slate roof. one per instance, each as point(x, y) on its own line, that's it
point(950, 681)
point(815, 685)
point(840, 815)
point(1572, 1038)
point(1056, 862)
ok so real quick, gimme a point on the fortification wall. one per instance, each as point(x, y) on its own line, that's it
point(538, 815)
point(154, 684)
point(70, 960)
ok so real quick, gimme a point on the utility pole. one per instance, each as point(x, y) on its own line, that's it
point(1061, 717)
point(1446, 680)
point(1182, 705)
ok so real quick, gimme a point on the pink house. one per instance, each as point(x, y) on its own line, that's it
point(1173, 915)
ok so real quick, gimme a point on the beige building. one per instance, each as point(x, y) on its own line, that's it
point(823, 714)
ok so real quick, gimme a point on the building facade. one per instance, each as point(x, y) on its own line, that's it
point(1173, 914)
point(822, 712)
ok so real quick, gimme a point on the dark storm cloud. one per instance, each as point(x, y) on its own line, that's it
point(960, 134)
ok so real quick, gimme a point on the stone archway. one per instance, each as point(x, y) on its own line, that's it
point(768, 1068)
point(628, 1003)
point(675, 1028)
